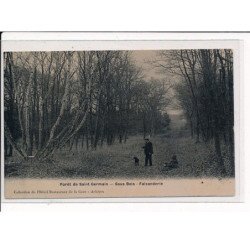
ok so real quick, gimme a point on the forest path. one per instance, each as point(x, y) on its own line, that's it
point(116, 161)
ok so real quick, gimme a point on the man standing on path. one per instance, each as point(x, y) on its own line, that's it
point(148, 151)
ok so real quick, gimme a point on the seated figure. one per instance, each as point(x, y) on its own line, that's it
point(172, 164)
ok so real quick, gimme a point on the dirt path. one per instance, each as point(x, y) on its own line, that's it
point(116, 161)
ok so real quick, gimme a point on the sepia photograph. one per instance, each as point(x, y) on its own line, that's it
point(138, 116)
point(124, 125)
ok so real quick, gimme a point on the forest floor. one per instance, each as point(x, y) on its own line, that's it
point(116, 161)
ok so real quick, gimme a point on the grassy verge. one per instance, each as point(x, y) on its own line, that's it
point(116, 161)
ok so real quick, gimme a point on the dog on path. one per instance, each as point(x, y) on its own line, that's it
point(136, 161)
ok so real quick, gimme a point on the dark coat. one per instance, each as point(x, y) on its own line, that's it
point(148, 148)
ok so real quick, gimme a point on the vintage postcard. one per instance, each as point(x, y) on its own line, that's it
point(124, 119)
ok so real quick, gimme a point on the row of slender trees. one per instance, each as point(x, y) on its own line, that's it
point(55, 98)
point(204, 89)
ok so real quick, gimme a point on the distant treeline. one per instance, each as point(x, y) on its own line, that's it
point(55, 98)
point(205, 93)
